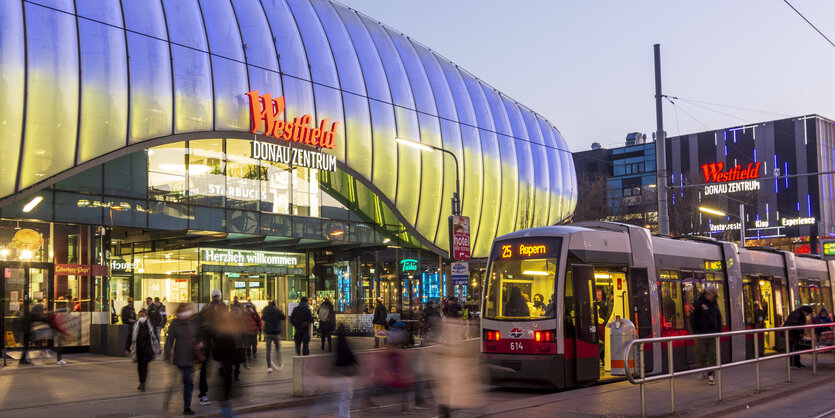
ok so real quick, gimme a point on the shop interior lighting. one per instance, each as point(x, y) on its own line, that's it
point(18, 225)
point(4, 252)
point(535, 273)
point(387, 240)
point(32, 204)
point(25, 254)
point(712, 211)
point(181, 168)
point(337, 233)
point(602, 276)
point(413, 144)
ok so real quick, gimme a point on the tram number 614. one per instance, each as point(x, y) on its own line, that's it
point(516, 346)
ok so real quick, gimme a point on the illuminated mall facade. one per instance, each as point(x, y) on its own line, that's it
point(264, 148)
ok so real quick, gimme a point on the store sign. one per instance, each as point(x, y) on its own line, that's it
point(459, 232)
point(80, 270)
point(267, 111)
point(408, 265)
point(828, 249)
point(733, 180)
point(293, 157)
point(119, 265)
point(797, 221)
point(460, 272)
point(217, 255)
point(724, 227)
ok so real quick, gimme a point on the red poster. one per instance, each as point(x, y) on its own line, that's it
point(459, 231)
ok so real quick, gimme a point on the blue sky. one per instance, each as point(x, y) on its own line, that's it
point(587, 65)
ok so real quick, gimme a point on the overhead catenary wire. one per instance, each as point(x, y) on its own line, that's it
point(686, 99)
point(810, 23)
point(686, 112)
point(712, 110)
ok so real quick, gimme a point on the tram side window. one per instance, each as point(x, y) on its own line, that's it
point(717, 280)
point(826, 295)
point(671, 303)
point(748, 300)
point(568, 303)
point(803, 287)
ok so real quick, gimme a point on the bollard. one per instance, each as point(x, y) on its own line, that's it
point(643, 393)
point(814, 354)
point(719, 363)
point(788, 357)
point(757, 358)
point(671, 370)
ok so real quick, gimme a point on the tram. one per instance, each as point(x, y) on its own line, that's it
point(551, 291)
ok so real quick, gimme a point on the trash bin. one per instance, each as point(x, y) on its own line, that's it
point(621, 332)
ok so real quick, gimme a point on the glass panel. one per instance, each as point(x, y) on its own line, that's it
point(65, 5)
point(126, 212)
point(358, 135)
point(322, 67)
point(150, 84)
point(671, 301)
point(471, 181)
point(104, 89)
point(243, 222)
point(42, 211)
point(206, 169)
point(223, 32)
point(88, 181)
point(52, 105)
point(276, 188)
point(127, 176)
point(185, 25)
point(347, 63)
point(167, 173)
point(421, 90)
point(207, 219)
point(509, 184)
point(451, 134)
point(298, 98)
point(306, 199)
point(11, 92)
point(329, 109)
point(243, 177)
point(231, 104)
point(276, 225)
point(408, 166)
point(719, 281)
point(540, 170)
point(490, 202)
point(145, 17)
point(75, 207)
point(167, 215)
point(401, 92)
point(440, 88)
point(430, 179)
point(384, 153)
point(257, 38)
point(369, 59)
point(265, 82)
point(107, 12)
point(192, 90)
point(554, 171)
point(288, 41)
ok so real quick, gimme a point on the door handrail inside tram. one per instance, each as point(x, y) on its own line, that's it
point(641, 378)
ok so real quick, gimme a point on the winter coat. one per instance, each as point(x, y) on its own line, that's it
point(380, 315)
point(327, 317)
point(301, 318)
point(153, 315)
point(182, 337)
point(273, 319)
point(253, 322)
point(706, 317)
point(797, 317)
point(128, 314)
point(142, 342)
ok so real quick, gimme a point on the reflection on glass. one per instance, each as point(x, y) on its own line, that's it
point(305, 192)
point(207, 164)
point(167, 173)
point(243, 177)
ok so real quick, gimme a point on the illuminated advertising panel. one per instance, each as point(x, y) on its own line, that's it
point(732, 180)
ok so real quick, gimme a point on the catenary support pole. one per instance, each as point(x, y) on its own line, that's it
point(741, 225)
point(660, 151)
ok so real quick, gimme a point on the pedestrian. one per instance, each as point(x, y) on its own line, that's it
point(253, 326)
point(379, 322)
point(301, 318)
point(797, 317)
point(273, 318)
point(129, 313)
point(327, 323)
point(25, 323)
point(345, 369)
point(226, 330)
point(58, 321)
point(154, 317)
point(706, 319)
point(181, 348)
point(142, 346)
point(207, 317)
point(455, 308)
point(431, 318)
point(822, 318)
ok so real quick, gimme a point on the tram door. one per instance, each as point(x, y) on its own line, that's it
point(640, 304)
point(766, 300)
point(691, 287)
point(586, 341)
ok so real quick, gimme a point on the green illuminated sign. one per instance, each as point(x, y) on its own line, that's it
point(829, 248)
point(409, 265)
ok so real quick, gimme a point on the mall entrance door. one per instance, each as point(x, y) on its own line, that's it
point(24, 285)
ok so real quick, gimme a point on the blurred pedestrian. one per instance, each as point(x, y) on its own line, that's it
point(142, 346)
point(327, 323)
point(797, 317)
point(301, 318)
point(344, 370)
point(821, 318)
point(58, 321)
point(208, 315)
point(154, 317)
point(253, 327)
point(706, 319)
point(129, 313)
point(226, 330)
point(163, 315)
point(431, 318)
point(273, 319)
point(379, 322)
point(181, 349)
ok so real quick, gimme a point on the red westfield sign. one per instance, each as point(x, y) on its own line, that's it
point(714, 174)
point(264, 109)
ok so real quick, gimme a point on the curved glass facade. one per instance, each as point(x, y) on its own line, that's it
point(70, 96)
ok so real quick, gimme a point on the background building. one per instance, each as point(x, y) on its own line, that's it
point(724, 168)
point(203, 161)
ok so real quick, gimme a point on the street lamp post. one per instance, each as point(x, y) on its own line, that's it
point(741, 218)
point(456, 201)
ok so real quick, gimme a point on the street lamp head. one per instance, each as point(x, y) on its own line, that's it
point(712, 211)
point(413, 144)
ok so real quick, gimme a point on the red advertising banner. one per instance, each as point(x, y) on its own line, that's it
point(459, 237)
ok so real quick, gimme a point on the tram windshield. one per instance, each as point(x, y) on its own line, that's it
point(520, 283)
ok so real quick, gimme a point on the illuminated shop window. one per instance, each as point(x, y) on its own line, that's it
point(167, 173)
point(206, 167)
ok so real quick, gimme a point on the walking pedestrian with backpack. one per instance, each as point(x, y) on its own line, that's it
point(327, 323)
point(301, 318)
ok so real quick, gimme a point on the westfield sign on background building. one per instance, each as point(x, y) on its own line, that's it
point(266, 110)
point(733, 180)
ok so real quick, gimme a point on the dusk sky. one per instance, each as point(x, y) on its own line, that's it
point(587, 65)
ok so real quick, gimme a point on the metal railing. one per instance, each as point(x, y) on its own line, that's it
point(671, 374)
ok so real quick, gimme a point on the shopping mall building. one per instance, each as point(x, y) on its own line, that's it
point(264, 148)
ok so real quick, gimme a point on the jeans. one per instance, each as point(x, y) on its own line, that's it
point(27, 339)
point(251, 346)
point(158, 330)
point(204, 379)
point(142, 366)
point(706, 353)
point(273, 339)
point(188, 385)
point(346, 395)
point(326, 335)
point(302, 338)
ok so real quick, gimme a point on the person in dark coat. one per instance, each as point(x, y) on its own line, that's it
point(301, 318)
point(142, 346)
point(431, 318)
point(797, 317)
point(273, 319)
point(516, 304)
point(226, 329)
point(379, 322)
point(180, 348)
point(253, 326)
point(344, 368)
point(209, 314)
point(327, 323)
point(706, 319)
point(129, 313)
